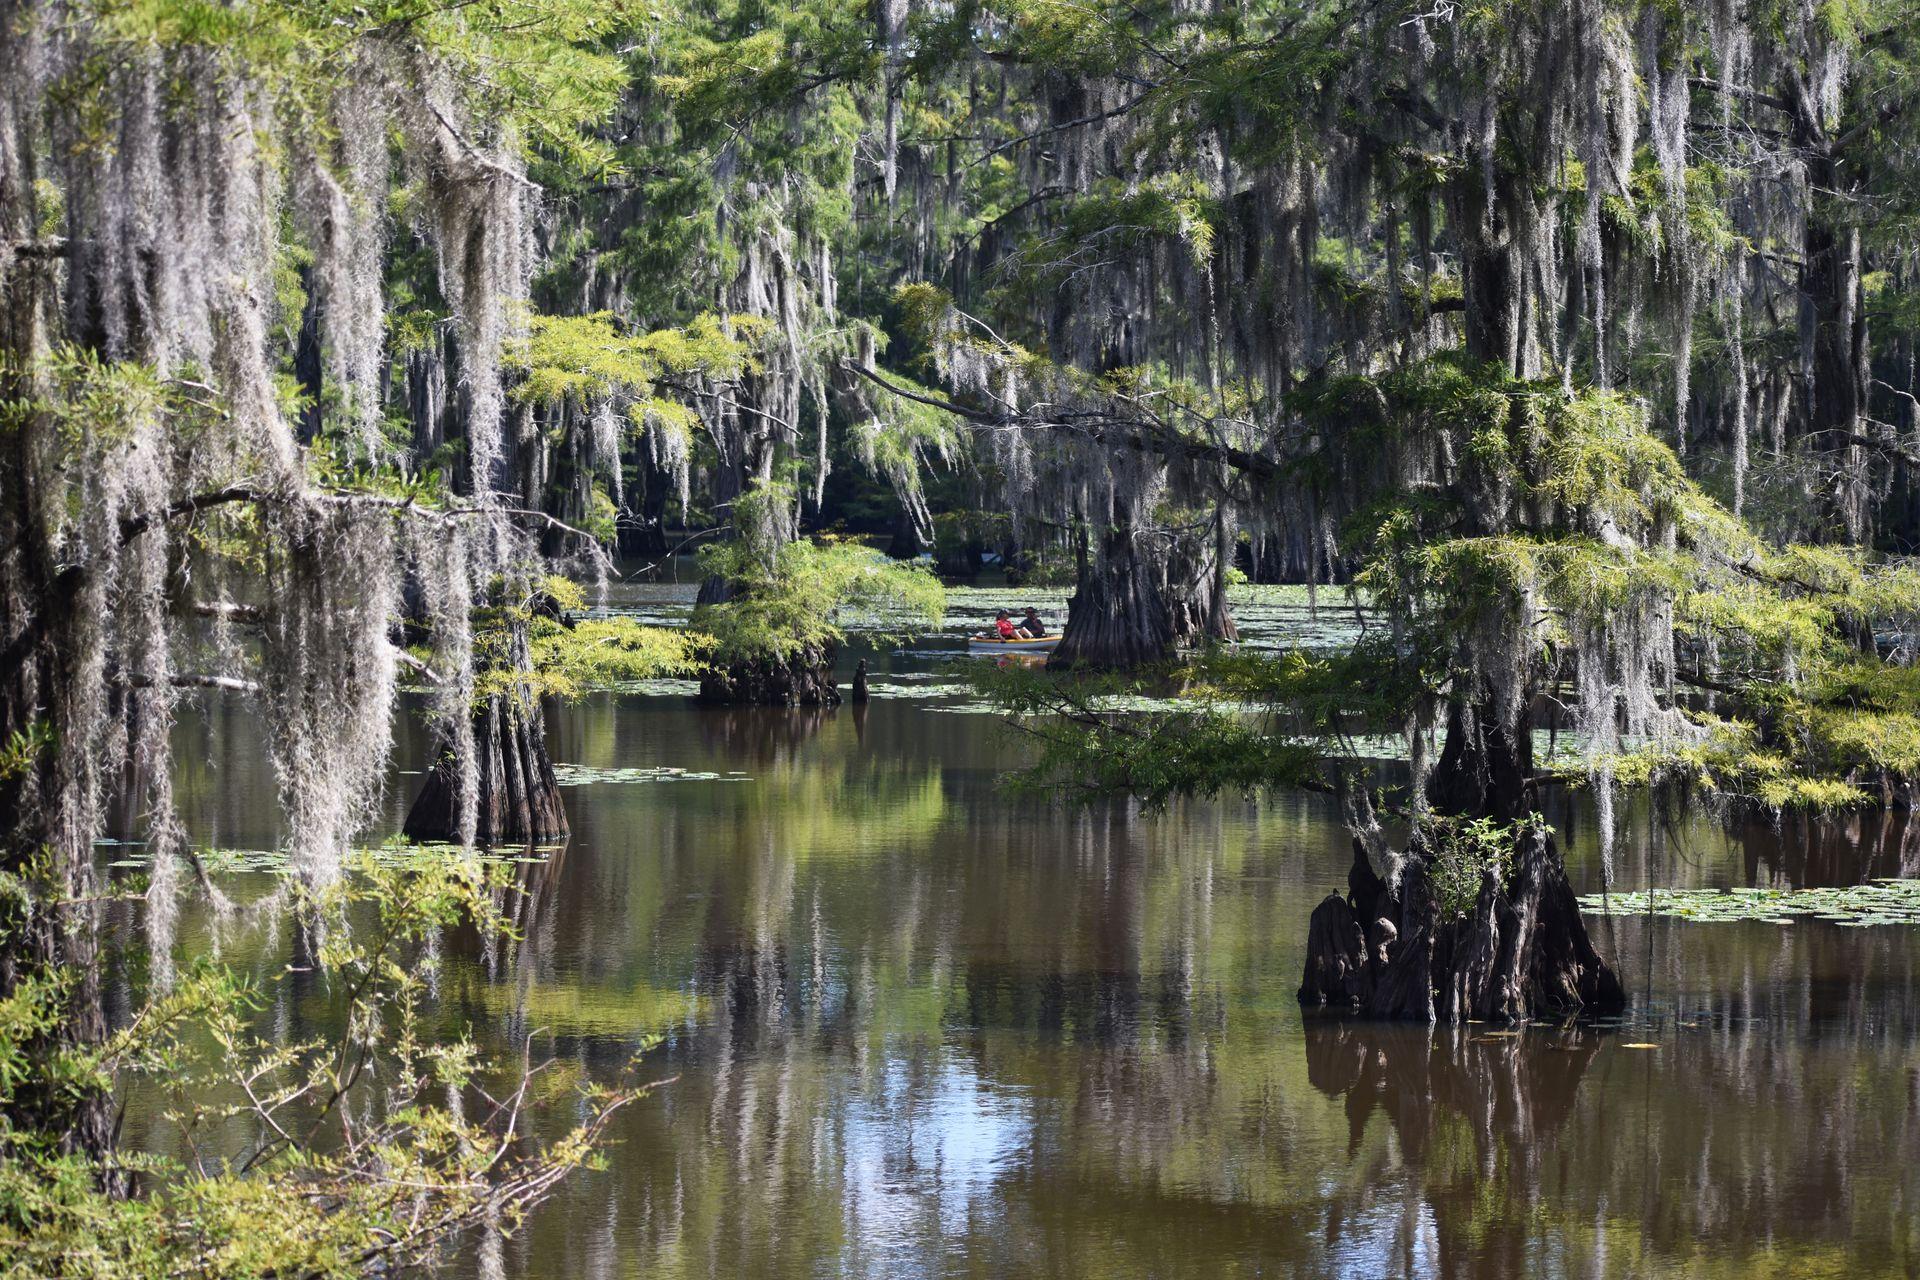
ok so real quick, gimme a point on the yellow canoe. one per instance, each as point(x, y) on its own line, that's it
point(1044, 644)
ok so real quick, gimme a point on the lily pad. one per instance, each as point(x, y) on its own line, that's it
point(1881, 902)
point(580, 775)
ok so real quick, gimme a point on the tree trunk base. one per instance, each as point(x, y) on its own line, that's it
point(519, 796)
point(1114, 626)
point(804, 680)
point(1522, 952)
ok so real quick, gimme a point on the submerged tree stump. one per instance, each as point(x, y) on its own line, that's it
point(1521, 952)
point(518, 795)
point(804, 680)
point(1337, 970)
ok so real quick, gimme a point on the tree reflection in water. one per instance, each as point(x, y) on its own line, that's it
point(1473, 1112)
point(922, 1027)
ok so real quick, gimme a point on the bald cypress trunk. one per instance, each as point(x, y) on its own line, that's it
point(1488, 225)
point(646, 535)
point(517, 793)
point(1521, 951)
point(50, 933)
point(1119, 616)
point(1835, 366)
point(802, 679)
point(1485, 763)
point(1141, 598)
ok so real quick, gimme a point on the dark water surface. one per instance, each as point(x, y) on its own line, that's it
point(918, 1026)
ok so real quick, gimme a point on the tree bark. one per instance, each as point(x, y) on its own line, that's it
point(647, 535)
point(1485, 763)
point(46, 831)
point(1835, 372)
point(1118, 617)
point(1143, 596)
point(1197, 587)
point(906, 542)
point(1521, 952)
point(517, 792)
point(1490, 269)
point(803, 680)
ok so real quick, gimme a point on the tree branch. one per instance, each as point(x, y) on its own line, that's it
point(193, 680)
point(972, 415)
point(1742, 92)
point(133, 526)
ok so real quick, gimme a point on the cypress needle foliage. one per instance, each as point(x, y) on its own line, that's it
point(790, 598)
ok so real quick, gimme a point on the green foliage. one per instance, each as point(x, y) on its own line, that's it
point(1462, 851)
point(1198, 749)
point(926, 310)
point(1831, 741)
point(898, 437)
point(1116, 218)
point(595, 653)
point(1559, 517)
point(305, 1193)
point(93, 403)
point(532, 72)
point(1222, 722)
point(23, 748)
point(567, 656)
point(590, 358)
point(1660, 221)
point(794, 598)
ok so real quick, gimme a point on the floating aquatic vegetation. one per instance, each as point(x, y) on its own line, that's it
point(652, 613)
point(581, 775)
point(968, 709)
point(394, 853)
point(1269, 617)
point(658, 687)
point(922, 689)
point(1881, 902)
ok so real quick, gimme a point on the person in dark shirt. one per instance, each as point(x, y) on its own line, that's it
point(1033, 626)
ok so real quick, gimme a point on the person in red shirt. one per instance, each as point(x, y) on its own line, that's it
point(1003, 629)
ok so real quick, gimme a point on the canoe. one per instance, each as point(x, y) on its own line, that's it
point(1044, 644)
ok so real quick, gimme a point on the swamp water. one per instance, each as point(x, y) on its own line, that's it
point(917, 1026)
